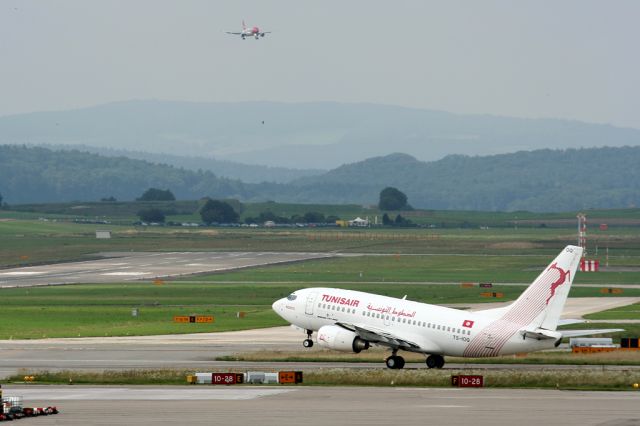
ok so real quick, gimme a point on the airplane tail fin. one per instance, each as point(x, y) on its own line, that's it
point(244, 27)
point(541, 304)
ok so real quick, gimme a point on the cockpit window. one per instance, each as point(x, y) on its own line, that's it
point(292, 296)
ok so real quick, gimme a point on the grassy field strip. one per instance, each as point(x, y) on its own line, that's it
point(629, 312)
point(456, 283)
point(544, 378)
point(25, 322)
point(37, 241)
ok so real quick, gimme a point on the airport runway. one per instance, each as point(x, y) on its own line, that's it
point(319, 406)
point(123, 266)
point(194, 352)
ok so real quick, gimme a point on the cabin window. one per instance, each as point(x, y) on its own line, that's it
point(343, 309)
point(393, 318)
point(448, 329)
point(438, 326)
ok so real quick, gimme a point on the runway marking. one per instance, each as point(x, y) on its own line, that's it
point(444, 406)
point(19, 273)
point(145, 394)
point(127, 274)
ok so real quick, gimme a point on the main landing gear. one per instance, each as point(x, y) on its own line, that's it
point(307, 343)
point(435, 361)
point(395, 362)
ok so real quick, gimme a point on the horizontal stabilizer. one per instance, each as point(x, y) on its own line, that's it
point(540, 334)
point(577, 333)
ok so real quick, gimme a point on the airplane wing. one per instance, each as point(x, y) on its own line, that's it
point(381, 337)
point(228, 32)
point(577, 333)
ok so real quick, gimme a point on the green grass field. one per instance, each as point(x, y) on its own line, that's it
point(420, 269)
point(629, 312)
point(35, 241)
point(30, 322)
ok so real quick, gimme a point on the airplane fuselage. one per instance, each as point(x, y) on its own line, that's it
point(433, 329)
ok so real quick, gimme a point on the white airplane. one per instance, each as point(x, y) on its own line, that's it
point(250, 32)
point(352, 321)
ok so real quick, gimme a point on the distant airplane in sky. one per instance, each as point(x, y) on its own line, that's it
point(352, 321)
point(250, 32)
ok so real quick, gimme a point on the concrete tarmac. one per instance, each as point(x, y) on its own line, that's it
point(119, 267)
point(195, 352)
point(311, 406)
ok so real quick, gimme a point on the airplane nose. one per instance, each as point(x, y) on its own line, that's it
point(277, 306)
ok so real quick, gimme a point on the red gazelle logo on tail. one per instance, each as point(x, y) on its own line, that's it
point(564, 275)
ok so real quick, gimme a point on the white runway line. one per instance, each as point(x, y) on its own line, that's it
point(125, 274)
point(21, 273)
point(108, 393)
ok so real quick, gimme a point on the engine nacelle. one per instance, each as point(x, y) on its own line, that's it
point(340, 339)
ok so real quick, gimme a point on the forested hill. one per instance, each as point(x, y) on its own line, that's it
point(542, 180)
point(33, 174)
point(321, 135)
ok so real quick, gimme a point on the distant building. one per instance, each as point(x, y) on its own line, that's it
point(103, 234)
point(269, 224)
point(358, 221)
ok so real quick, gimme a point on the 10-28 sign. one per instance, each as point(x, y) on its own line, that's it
point(467, 381)
point(226, 378)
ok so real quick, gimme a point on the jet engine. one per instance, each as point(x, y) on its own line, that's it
point(341, 339)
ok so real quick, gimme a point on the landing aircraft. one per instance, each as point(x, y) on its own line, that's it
point(250, 32)
point(352, 321)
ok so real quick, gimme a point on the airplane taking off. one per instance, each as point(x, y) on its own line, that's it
point(250, 32)
point(352, 321)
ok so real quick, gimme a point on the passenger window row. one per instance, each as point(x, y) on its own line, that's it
point(423, 324)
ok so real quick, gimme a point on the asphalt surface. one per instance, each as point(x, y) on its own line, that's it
point(266, 406)
point(196, 352)
point(118, 267)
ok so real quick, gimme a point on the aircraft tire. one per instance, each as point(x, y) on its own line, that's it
point(432, 361)
point(391, 362)
point(394, 362)
point(307, 343)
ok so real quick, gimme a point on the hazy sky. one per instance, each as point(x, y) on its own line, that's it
point(573, 59)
